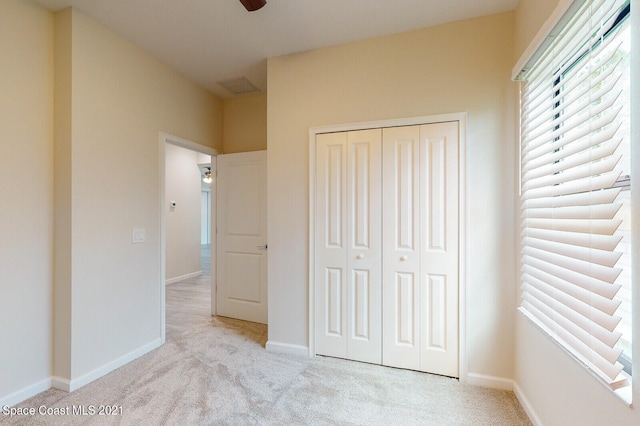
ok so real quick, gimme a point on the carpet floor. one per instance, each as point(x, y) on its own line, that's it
point(220, 373)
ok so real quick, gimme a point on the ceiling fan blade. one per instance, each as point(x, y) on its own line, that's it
point(252, 5)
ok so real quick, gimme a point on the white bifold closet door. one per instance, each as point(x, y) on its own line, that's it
point(348, 278)
point(420, 235)
point(387, 246)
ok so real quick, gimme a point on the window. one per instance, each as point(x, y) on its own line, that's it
point(575, 171)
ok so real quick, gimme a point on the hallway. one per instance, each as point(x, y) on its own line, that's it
point(188, 302)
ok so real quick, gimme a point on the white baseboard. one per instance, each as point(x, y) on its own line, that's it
point(72, 385)
point(182, 277)
point(25, 393)
point(287, 348)
point(526, 405)
point(492, 382)
point(61, 383)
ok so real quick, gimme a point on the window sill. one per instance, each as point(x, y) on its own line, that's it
point(624, 393)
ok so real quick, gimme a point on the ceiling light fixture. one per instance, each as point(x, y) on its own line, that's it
point(252, 5)
point(207, 176)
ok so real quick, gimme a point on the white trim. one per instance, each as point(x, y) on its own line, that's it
point(163, 237)
point(492, 382)
point(526, 405)
point(463, 367)
point(72, 385)
point(286, 348)
point(182, 277)
point(542, 35)
point(25, 393)
point(213, 230)
point(185, 143)
point(461, 118)
point(166, 138)
point(635, 195)
point(312, 242)
point(396, 122)
point(61, 383)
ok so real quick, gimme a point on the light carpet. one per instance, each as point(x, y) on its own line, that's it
point(220, 373)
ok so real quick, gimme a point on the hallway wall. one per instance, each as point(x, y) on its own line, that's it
point(182, 185)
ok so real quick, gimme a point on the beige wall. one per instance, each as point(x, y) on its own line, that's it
point(120, 99)
point(245, 124)
point(26, 191)
point(62, 196)
point(554, 388)
point(111, 100)
point(182, 185)
point(530, 15)
point(459, 67)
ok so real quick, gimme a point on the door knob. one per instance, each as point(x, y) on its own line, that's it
point(403, 258)
point(360, 256)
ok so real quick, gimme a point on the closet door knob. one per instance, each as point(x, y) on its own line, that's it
point(403, 258)
point(360, 256)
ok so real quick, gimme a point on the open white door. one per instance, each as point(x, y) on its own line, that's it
point(242, 236)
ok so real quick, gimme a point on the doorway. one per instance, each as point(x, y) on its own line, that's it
point(345, 303)
point(186, 209)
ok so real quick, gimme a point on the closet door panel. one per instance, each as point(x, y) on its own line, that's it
point(439, 251)
point(401, 253)
point(348, 289)
point(365, 245)
point(331, 245)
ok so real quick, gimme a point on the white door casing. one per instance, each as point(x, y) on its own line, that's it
point(242, 236)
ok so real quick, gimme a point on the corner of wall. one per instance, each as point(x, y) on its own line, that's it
point(526, 405)
point(286, 348)
point(487, 381)
point(62, 193)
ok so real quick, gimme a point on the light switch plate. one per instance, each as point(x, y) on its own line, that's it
point(138, 236)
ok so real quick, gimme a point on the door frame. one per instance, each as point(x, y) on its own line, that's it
point(461, 118)
point(166, 138)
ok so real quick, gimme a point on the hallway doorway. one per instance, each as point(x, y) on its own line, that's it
point(187, 266)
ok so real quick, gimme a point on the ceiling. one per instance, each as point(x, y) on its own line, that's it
point(212, 40)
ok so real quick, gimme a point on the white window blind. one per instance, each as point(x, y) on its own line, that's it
point(570, 156)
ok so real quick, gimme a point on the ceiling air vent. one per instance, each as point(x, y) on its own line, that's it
point(238, 86)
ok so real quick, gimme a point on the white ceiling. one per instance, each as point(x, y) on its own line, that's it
point(212, 40)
